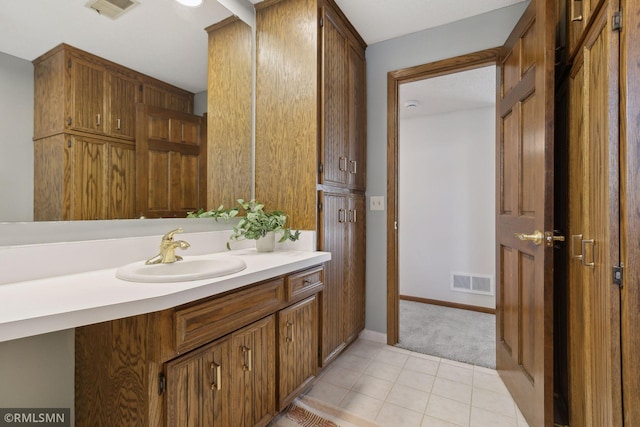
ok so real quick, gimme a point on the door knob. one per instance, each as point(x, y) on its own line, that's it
point(537, 237)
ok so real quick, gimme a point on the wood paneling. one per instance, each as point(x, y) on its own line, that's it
point(357, 104)
point(287, 110)
point(354, 293)
point(51, 160)
point(229, 114)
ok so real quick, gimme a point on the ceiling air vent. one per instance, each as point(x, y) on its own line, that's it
point(112, 8)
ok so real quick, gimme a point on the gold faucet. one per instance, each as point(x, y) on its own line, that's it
point(168, 246)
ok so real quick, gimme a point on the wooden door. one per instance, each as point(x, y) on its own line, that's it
point(297, 349)
point(171, 162)
point(334, 107)
point(354, 292)
point(198, 387)
point(87, 83)
point(524, 312)
point(333, 238)
point(253, 358)
point(121, 198)
point(594, 298)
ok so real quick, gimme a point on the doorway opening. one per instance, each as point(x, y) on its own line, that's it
point(448, 252)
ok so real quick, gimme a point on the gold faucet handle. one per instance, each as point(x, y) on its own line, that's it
point(169, 235)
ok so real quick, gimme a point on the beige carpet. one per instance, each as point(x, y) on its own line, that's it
point(309, 412)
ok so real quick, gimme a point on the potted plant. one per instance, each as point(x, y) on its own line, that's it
point(258, 224)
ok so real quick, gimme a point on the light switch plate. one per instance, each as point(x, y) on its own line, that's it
point(376, 203)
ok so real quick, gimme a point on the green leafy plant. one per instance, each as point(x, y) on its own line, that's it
point(256, 224)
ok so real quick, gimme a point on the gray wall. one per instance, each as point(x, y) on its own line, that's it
point(458, 38)
point(16, 146)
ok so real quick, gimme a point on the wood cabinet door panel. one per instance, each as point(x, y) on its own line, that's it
point(297, 349)
point(123, 95)
point(354, 293)
point(253, 358)
point(199, 387)
point(88, 97)
point(122, 181)
point(90, 182)
point(335, 92)
point(357, 119)
point(333, 239)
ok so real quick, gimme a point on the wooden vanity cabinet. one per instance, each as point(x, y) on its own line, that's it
point(230, 360)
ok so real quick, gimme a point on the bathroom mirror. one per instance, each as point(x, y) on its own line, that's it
point(159, 38)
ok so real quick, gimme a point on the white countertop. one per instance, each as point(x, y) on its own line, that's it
point(45, 305)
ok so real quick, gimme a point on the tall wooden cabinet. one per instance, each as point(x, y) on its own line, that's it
point(84, 133)
point(310, 134)
point(593, 236)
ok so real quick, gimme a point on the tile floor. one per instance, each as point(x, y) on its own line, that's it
point(400, 388)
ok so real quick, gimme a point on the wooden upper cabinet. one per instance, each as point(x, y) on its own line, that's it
point(80, 92)
point(343, 104)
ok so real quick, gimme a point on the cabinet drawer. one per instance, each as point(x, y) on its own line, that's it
point(305, 283)
point(202, 323)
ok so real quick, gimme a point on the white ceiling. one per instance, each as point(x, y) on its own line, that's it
point(167, 41)
point(465, 90)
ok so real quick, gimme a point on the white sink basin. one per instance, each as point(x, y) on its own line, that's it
point(180, 271)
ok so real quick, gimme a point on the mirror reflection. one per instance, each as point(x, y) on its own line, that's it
point(161, 39)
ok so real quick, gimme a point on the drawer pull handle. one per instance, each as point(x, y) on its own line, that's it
point(592, 263)
point(289, 332)
point(576, 11)
point(97, 119)
point(575, 237)
point(342, 164)
point(246, 356)
point(215, 373)
point(353, 169)
point(118, 124)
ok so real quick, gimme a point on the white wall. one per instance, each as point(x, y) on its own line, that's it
point(458, 38)
point(16, 145)
point(447, 203)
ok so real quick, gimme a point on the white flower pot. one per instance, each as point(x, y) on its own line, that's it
point(266, 243)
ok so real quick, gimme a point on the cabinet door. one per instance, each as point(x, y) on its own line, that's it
point(123, 95)
point(335, 114)
point(89, 178)
point(122, 181)
point(162, 97)
point(297, 349)
point(253, 358)
point(333, 230)
point(579, 13)
point(354, 292)
point(357, 119)
point(87, 109)
point(199, 386)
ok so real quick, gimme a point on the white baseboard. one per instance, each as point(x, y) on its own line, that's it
point(379, 337)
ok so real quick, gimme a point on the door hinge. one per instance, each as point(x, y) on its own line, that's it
point(617, 21)
point(162, 383)
point(617, 275)
point(69, 64)
point(319, 206)
point(321, 22)
point(320, 167)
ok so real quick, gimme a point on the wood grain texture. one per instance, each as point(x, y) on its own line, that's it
point(198, 324)
point(333, 238)
point(287, 110)
point(49, 94)
point(596, 390)
point(355, 286)
point(297, 349)
point(50, 180)
point(357, 107)
point(229, 100)
point(253, 358)
point(630, 208)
